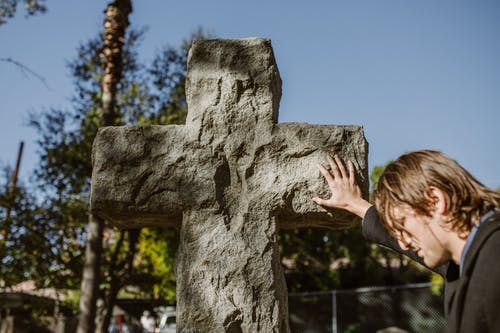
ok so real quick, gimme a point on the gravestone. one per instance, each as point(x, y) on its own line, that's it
point(230, 179)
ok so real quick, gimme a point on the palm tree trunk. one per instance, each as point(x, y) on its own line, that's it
point(90, 279)
point(115, 25)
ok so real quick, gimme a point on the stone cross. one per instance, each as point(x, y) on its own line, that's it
point(230, 178)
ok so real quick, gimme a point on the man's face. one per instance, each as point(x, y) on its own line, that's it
point(423, 234)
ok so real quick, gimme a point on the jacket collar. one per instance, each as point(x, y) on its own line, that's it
point(485, 231)
point(456, 284)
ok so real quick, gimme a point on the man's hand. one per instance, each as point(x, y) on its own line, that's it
point(345, 191)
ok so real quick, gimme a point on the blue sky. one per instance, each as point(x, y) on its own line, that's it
point(415, 74)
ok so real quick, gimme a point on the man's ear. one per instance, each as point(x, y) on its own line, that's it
point(437, 197)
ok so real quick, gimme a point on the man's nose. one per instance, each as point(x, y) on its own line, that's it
point(403, 245)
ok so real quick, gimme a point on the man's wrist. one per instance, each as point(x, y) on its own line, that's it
point(359, 207)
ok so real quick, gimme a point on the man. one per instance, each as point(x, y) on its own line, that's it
point(430, 208)
point(148, 322)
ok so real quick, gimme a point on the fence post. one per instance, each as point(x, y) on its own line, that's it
point(334, 311)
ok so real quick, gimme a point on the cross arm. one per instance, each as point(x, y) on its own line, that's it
point(148, 175)
point(287, 172)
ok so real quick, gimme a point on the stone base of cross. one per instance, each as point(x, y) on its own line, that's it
point(230, 178)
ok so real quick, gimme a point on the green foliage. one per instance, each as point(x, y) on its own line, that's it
point(46, 231)
point(437, 281)
point(71, 301)
point(35, 246)
point(352, 328)
point(8, 8)
point(375, 176)
point(156, 258)
point(318, 259)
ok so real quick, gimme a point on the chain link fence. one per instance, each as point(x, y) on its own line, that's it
point(412, 308)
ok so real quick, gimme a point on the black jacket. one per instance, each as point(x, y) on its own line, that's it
point(472, 301)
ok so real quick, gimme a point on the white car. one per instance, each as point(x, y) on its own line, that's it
point(167, 319)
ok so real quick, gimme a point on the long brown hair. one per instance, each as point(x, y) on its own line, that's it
point(407, 181)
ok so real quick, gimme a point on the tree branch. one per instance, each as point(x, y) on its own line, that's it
point(26, 71)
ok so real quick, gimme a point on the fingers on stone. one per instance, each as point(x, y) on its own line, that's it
point(325, 173)
point(352, 174)
point(341, 167)
point(319, 201)
point(333, 165)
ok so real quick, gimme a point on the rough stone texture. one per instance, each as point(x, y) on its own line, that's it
point(231, 177)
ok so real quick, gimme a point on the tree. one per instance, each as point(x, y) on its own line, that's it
point(115, 24)
point(33, 246)
point(156, 248)
point(8, 8)
point(147, 94)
